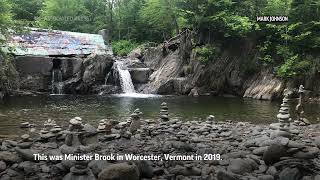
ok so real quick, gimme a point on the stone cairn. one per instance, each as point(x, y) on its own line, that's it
point(164, 114)
point(80, 170)
point(299, 109)
point(284, 116)
point(135, 120)
point(74, 134)
point(51, 131)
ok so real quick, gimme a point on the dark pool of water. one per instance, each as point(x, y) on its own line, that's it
point(94, 108)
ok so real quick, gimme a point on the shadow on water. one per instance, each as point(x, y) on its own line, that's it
point(94, 108)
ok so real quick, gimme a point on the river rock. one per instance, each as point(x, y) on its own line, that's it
point(97, 166)
point(260, 150)
point(290, 174)
point(27, 154)
point(317, 141)
point(307, 153)
point(186, 171)
point(3, 166)
point(145, 169)
point(240, 166)
point(9, 157)
point(121, 171)
point(90, 130)
point(225, 175)
point(265, 177)
point(274, 153)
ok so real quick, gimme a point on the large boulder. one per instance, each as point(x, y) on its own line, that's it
point(274, 153)
point(96, 68)
point(121, 171)
point(140, 75)
point(135, 54)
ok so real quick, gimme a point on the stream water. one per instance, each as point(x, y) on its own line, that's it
point(94, 108)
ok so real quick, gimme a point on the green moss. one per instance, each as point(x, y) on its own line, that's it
point(123, 47)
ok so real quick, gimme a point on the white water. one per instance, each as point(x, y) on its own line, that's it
point(56, 84)
point(125, 78)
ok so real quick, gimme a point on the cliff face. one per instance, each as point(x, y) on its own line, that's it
point(179, 71)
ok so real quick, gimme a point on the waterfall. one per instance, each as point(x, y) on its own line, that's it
point(125, 78)
point(56, 83)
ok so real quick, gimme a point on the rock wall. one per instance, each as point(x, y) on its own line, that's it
point(264, 86)
point(180, 72)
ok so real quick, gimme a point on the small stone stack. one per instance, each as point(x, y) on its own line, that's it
point(135, 120)
point(80, 170)
point(101, 126)
point(284, 115)
point(164, 114)
point(75, 132)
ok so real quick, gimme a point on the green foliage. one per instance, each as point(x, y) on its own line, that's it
point(206, 53)
point(5, 18)
point(294, 66)
point(26, 10)
point(123, 47)
point(8, 74)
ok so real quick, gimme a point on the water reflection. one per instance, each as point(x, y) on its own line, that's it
point(94, 108)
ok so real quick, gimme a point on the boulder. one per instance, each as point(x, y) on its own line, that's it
point(135, 53)
point(140, 75)
point(89, 129)
point(27, 154)
point(97, 166)
point(9, 157)
point(290, 174)
point(121, 171)
point(274, 153)
point(224, 175)
point(240, 166)
point(3, 166)
point(145, 168)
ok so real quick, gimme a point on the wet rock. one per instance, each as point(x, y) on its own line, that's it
point(274, 153)
point(121, 171)
point(3, 166)
point(290, 174)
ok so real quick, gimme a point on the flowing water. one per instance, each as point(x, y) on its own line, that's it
point(37, 109)
point(57, 84)
point(125, 78)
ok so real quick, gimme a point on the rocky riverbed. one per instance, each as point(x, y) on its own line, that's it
point(247, 151)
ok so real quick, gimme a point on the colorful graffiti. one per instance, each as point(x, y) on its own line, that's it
point(50, 42)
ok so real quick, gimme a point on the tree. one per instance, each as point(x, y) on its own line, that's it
point(26, 10)
point(70, 15)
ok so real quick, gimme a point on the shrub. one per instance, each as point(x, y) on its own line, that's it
point(294, 66)
point(123, 47)
point(206, 53)
point(8, 74)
